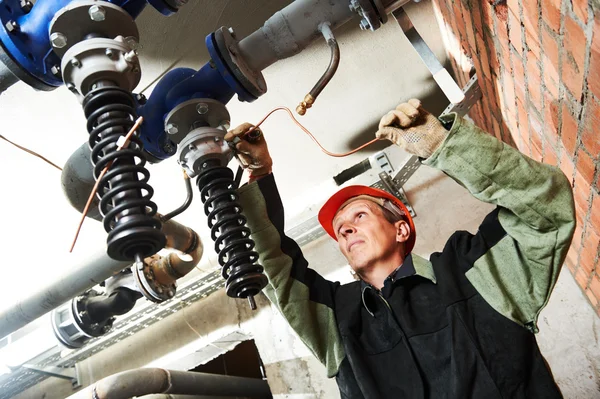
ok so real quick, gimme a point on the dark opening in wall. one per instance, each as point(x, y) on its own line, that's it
point(243, 361)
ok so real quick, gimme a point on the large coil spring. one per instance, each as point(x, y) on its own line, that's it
point(244, 276)
point(124, 192)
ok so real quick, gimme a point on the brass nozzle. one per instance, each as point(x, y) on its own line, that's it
point(306, 104)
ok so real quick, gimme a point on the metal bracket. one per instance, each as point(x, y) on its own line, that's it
point(440, 74)
point(66, 373)
point(394, 185)
point(382, 160)
point(472, 92)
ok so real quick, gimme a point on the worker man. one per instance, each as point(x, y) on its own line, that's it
point(459, 325)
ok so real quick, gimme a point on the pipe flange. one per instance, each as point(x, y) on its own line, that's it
point(81, 315)
point(147, 284)
point(367, 10)
point(253, 81)
point(201, 145)
point(81, 20)
point(72, 325)
point(380, 9)
point(94, 60)
point(191, 114)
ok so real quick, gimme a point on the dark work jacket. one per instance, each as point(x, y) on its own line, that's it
point(459, 325)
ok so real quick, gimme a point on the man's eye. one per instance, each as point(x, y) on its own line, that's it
point(360, 215)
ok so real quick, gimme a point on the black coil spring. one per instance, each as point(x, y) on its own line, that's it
point(124, 192)
point(237, 258)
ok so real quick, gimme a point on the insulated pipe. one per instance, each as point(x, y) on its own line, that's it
point(98, 268)
point(79, 278)
point(291, 30)
point(145, 381)
point(77, 180)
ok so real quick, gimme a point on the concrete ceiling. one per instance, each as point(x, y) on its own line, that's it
point(378, 70)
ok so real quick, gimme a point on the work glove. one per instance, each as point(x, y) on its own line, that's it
point(252, 153)
point(413, 129)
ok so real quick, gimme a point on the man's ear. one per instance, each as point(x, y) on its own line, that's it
point(402, 231)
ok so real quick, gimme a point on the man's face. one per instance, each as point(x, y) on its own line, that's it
point(365, 237)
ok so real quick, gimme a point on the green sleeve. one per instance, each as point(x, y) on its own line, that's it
point(304, 298)
point(536, 210)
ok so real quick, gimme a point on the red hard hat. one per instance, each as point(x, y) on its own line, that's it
point(331, 207)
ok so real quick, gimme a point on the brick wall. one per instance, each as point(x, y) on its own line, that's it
point(538, 64)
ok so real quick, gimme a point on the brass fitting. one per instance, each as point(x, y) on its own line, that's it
point(304, 105)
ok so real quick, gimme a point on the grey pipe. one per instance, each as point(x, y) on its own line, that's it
point(77, 180)
point(145, 381)
point(291, 30)
point(78, 278)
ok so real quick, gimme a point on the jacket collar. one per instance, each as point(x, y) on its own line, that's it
point(412, 265)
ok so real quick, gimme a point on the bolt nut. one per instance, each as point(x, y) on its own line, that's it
point(231, 32)
point(170, 293)
point(172, 128)
point(130, 56)
point(159, 290)
point(202, 108)
point(58, 40)
point(109, 53)
point(55, 70)
point(12, 26)
point(364, 24)
point(26, 6)
point(97, 13)
point(75, 62)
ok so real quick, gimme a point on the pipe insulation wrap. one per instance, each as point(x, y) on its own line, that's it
point(146, 381)
point(291, 30)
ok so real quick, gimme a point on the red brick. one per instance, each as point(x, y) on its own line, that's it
point(487, 13)
point(533, 45)
point(595, 286)
point(569, 130)
point(483, 57)
point(551, 13)
point(508, 90)
point(595, 214)
point(582, 278)
point(534, 73)
point(587, 259)
point(536, 131)
point(523, 121)
point(566, 165)
point(550, 156)
point(516, 38)
point(531, 17)
point(581, 192)
point(590, 295)
point(591, 137)
point(551, 119)
point(497, 131)
point(550, 57)
point(594, 70)
point(519, 75)
point(585, 166)
point(574, 57)
point(536, 154)
point(581, 9)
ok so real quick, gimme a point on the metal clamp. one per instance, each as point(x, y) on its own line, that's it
point(440, 74)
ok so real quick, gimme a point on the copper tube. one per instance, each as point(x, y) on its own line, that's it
point(334, 62)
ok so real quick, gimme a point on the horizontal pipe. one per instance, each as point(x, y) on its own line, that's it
point(291, 30)
point(145, 381)
point(78, 278)
point(98, 267)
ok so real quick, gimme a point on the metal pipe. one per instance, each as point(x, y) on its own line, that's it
point(99, 267)
point(77, 180)
point(186, 204)
point(334, 62)
point(80, 277)
point(392, 5)
point(145, 381)
point(291, 30)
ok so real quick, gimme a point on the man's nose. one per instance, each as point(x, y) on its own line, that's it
point(348, 229)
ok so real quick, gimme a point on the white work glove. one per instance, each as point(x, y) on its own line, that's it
point(413, 129)
point(254, 155)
